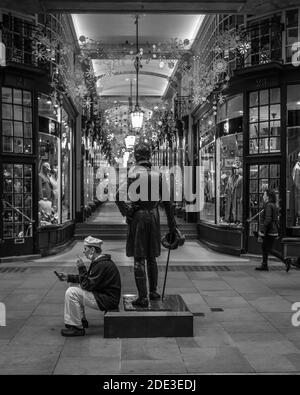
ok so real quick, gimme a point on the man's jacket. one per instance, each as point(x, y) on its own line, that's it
point(102, 279)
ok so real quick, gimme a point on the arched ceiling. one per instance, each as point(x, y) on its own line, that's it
point(112, 33)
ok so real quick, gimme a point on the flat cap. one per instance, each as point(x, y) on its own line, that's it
point(92, 242)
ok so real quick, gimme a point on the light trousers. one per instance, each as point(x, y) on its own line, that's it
point(76, 299)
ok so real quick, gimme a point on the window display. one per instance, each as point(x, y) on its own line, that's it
point(49, 199)
point(293, 157)
point(16, 121)
point(66, 167)
point(230, 149)
point(55, 167)
point(207, 166)
point(230, 162)
point(264, 121)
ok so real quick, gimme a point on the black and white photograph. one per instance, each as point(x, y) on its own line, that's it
point(149, 190)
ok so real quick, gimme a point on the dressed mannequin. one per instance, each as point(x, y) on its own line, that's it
point(234, 192)
point(45, 185)
point(296, 180)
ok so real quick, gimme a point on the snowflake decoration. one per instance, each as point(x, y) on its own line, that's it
point(244, 47)
point(220, 66)
point(87, 103)
point(221, 98)
point(81, 91)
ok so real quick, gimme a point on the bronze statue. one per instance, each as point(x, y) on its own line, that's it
point(143, 237)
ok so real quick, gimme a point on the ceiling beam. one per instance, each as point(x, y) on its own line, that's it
point(157, 75)
point(125, 6)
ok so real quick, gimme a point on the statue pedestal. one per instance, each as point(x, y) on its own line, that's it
point(170, 318)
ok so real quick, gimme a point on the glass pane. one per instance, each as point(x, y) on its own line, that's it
point(17, 96)
point(254, 171)
point(7, 144)
point(18, 116)
point(274, 171)
point(18, 201)
point(275, 95)
point(263, 185)
point(18, 145)
point(27, 146)
point(253, 130)
point(27, 114)
point(19, 230)
point(275, 144)
point(27, 98)
point(275, 128)
point(7, 185)
point(264, 129)
point(7, 128)
point(253, 186)
point(8, 215)
point(27, 199)
point(264, 145)
point(18, 129)
point(254, 114)
point(7, 111)
point(27, 130)
point(18, 185)
point(253, 146)
point(264, 113)
point(18, 171)
point(6, 95)
point(253, 99)
point(27, 171)
point(264, 171)
point(275, 111)
point(27, 185)
point(264, 97)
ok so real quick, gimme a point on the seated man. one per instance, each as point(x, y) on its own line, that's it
point(99, 287)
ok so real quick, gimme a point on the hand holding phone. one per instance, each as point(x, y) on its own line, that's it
point(61, 276)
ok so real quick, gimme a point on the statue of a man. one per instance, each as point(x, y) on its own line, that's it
point(143, 237)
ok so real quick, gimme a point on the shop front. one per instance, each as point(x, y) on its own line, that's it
point(250, 144)
point(36, 167)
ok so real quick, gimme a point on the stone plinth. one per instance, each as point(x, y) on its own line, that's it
point(170, 318)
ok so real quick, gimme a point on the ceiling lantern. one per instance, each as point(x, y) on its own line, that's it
point(130, 141)
point(137, 117)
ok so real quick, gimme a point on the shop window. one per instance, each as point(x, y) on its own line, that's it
point(49, 180)
point(66, 167)
point(292, 28)
point(293, 157)
point(230, 177)
point(16, 121)
point(264, 121)
point(17, 201)
point(207, 169)
point(230, 163)
point(266, 40)
point(262, 177)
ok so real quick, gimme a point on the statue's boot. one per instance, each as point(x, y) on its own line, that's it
point(141, 284)
point(152, 271)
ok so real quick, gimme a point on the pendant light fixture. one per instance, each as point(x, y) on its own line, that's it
point(137, 116)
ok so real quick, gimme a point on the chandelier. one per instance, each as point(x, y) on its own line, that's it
point(137, 116)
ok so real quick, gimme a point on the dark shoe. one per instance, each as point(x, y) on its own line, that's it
point(154, 295)
point(72, 331)
point(263, 267)
point(140, 302)
point(84, 322)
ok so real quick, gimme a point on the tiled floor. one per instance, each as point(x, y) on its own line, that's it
point(250, 331)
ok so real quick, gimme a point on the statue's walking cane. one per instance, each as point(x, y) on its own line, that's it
point(166, 273)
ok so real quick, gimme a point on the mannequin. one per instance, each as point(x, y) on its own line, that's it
point(45, 186)
point(296, 180)
point(234, 192)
